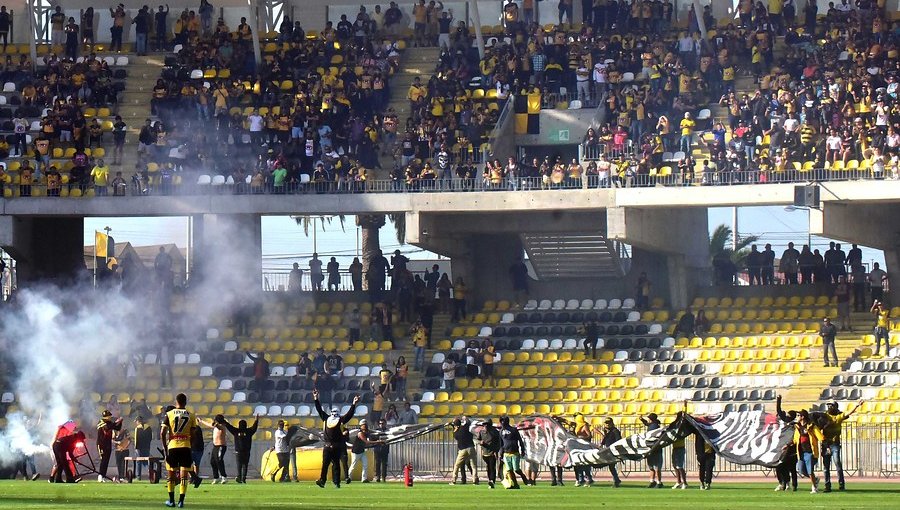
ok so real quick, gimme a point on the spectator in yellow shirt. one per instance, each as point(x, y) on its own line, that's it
point(100, 176)
point(687, 133)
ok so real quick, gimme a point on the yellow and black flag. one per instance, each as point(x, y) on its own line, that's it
point(527, 108)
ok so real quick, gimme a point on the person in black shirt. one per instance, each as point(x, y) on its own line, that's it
point(335, 442)
point(768, 265)
point(828, 331)
point(358, 447)
point(143, 438)
point(161, 24)
point(465, 444)
point(611, 434)
point(489, 440)
point(591, 335)
point(382, 451)
point(243, 442)
point(72, 41)
point(786, 470)
point(512, 447)
point(4, 26)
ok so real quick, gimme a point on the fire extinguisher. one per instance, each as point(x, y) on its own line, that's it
point(408, 475)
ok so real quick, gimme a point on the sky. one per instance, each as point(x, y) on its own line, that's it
point(284, 241)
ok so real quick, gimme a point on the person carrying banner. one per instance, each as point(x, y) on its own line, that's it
point(679, 455)
point(335, 442)
point(655, 458)
point(831, 446)
point(807, 437)
point(489, 440)
point(610, 435)
point(786, 470)
point(583, 431)
point(512, 446)
point(706, 459)
point(465, 457)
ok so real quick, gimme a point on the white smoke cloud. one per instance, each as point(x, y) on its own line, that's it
point(57, 340)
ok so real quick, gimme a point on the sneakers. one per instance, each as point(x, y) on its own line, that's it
point(320, 483)
point(491, 485)
point(452, 483)
point(38, 475)
point(617, 483)
point(840, 487)
point(553, 483)
point(170, 504)
point(814, 490)
point(99, 478)
point(215, 481)
point(702, 486)
point(180, 504)
point(676, 486)
point(222, 480)
point(578, 484)
point(197, 480)
point(779, 488)
point(707, 487)
point(652, 485)
point(684, 485)
point(477, 481)
point(659, 485)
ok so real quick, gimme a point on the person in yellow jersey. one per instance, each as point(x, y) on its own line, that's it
point(882, 324)
point(176, 436)
point(100, 176)
point(420, 340)
point(687, 133)
point(831, 446)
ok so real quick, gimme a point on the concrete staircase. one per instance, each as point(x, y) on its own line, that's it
point(415, 62)
point(134, 101)
point(573, 255)
point(807, 389)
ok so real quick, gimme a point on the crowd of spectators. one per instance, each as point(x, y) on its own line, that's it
point(824, 96)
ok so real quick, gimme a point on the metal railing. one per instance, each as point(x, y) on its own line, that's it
point(610, 151)
point(868, 450)
point(278, 281)
point(619, 179)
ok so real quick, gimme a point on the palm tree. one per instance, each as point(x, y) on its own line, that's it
point(720, 245)
point(369, 224)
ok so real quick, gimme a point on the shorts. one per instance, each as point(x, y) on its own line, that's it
point(179, 458)
point(488, 370)
point(678, 456)
point(655, 459)
point(296, 132)
point(511, 461)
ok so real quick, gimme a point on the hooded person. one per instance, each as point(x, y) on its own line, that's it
point(513, 446)
point(243, 442)
point(335, 441)
point(489, 440)
point(64, 444)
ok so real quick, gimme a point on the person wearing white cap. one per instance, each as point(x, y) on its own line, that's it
point(333, 437)
point(358, 447)
point(831, 446)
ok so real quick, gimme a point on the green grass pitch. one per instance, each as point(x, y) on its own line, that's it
point(633, 494)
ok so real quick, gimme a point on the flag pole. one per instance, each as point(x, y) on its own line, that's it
point(95, 258)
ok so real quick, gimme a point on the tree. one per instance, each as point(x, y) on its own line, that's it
point(720, 245)
point(370, 244)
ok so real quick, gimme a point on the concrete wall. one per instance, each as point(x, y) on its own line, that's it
point(560, 127)
point(45, 248)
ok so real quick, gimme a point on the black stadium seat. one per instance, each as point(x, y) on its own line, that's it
point(684, 370)
point(740, 395)
point(620, 317)
point(534, 318)
point(252, 396)
point(657, 369)
point(296, 397)
point(513, 331)
point(665, 355)
point(635, 355)
point(281, 385)
point(639, 343)
point(556, 330)
point(701, 382)
point(498, 331)
point(541, 331)
point(671, 369)
point(726, 396)
point(605, 317)
point(562, 317)
point(754, 395)
point(698, 396)
point(570, 330)
point(678, 356)
point(239, 385)
point(627, 329)
point(549, 318)
point(590, 316)
point(715, 382)
point(687, 383)
point(248, 370)
point(521, 318)
point(612, 330)
point(654, 343)
point(577, 317)
point(612, 343)
point(500, 345)
point(526, 331)
point(712, 396)
point(674, 382)
point(650, 355)
point(514, 345)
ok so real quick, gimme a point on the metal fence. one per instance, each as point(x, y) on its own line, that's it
point(868, 450)
point(277, 281)
point(630, 178)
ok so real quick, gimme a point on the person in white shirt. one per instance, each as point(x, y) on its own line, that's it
point(600, 77)
point(449, 370)
point(282, 451)
point(257, 123)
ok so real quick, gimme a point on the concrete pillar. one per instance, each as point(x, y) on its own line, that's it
point(892, 261)
point(228, 252)
point(45, 248)
point(680, 238)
